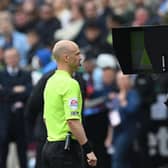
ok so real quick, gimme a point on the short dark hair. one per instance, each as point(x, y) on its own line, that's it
point(117, 18)
point(92, 23)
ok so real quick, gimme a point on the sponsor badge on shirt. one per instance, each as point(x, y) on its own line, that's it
point(73, 103)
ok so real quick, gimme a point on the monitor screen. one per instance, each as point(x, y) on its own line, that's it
point(141, 49)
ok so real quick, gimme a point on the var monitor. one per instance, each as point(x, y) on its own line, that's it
point(141, 49)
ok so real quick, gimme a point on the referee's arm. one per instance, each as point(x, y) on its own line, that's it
point(72, 106)
point(78, 131)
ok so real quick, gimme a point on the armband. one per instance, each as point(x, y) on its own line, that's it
point(87, 148)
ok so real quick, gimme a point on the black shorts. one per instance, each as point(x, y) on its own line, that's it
point(54, 155)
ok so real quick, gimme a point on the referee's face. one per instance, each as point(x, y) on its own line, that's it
point(75, 58)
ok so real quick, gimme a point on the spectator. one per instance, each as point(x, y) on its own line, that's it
point(113, 21)
point(94, 111)
point(90, 9)
point(163, 8)
point(47, 20)
point(25, 17)
point(17, 2)
point(15, 89)
point(35, 44)
point(141, 17)
point(139, 3)
point(4, 4)
point(109, 81)
point(123, 117)
point(107, 61)
point(122, 8)
point(91, 13)
point(145, 84)
point(93, 42)
point(11, 38)
point(105, 10)
point(146, 13)
point(21, 20)
point(75, 3)
point(34, 117)
point(62, 12)
point(73, 30)
point(40, 60)
point(92, 71)
point(2, 64)
point(109, 89)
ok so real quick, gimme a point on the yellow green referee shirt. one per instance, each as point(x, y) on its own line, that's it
point(62, 101)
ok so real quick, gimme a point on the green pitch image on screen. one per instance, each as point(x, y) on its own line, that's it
point(140, 58)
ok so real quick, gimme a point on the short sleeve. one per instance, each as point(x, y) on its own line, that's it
point(72, 101)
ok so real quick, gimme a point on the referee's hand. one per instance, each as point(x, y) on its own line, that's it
point(91, 159)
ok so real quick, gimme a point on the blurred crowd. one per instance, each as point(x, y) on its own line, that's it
point(117, 107)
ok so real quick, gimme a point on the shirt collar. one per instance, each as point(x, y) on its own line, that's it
point(12, 71)
point(62, 72)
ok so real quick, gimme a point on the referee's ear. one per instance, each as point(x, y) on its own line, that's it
point(66, 58)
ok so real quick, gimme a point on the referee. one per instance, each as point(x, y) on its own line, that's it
point(62, 113)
